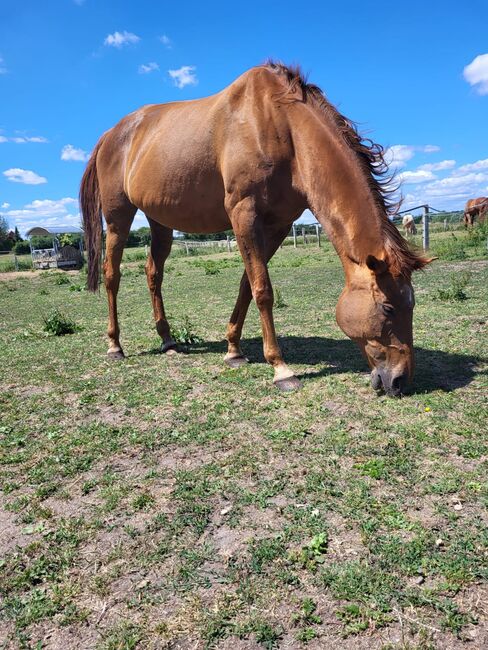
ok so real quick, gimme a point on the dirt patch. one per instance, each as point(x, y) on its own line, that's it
point(13, 535)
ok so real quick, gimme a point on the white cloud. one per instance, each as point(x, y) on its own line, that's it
point(23, 139)
point(24, 176)
point(119, 39)
point(429, 148)
point(436, 167)
point(68, 152)
point(457, 183)
point(398, 155)
point(166, 41)
point(45, 212)
point(150, 67)
point(472, 167)
point(419, 176)
point(476, 74)
point(184, 76)
point(5, 205)
point(3, 68)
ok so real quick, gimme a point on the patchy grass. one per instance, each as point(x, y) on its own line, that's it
point(174, 502)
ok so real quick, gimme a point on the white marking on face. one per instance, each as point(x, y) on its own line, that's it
point(409, 295)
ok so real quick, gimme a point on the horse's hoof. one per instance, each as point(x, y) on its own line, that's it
point(236, 362)
point(169, 348)
point(116, 355)
point(288, 385)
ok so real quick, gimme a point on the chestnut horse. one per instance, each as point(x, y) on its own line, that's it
point(253, 157)
point(475, 208)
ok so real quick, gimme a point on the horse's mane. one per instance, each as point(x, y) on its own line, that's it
point(371, 157)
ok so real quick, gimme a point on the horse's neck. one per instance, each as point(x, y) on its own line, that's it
point(336, 189)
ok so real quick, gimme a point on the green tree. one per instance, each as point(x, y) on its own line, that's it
point(6, 239)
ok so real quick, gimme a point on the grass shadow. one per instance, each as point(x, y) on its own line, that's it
point(435, 369)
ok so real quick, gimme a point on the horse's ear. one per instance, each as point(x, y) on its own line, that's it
point(376, 265)
point(422, 262)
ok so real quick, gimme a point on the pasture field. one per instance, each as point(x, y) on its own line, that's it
point(171, 502)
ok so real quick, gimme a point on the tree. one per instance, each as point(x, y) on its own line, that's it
point(208, 237)
point(6, 241)
point(17, 235)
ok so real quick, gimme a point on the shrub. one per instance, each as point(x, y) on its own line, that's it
point(58, 324)
point(455, 291)
point(21, 248)
point(478, 236)
point(451, 249)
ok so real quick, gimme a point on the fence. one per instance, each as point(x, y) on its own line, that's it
point(9, 261)
point(433, 220)
point(220, 244)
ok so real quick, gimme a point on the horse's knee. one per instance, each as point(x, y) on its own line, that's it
point(263, 296)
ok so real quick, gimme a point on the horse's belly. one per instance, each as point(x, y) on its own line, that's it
point(180, 190)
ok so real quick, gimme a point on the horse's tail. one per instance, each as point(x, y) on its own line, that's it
point(91, 209)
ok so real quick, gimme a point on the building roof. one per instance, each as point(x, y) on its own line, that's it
point(41, 231)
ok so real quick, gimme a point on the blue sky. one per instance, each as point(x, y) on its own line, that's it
point(414, 75)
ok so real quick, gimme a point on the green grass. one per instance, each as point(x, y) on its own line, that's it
point(174, 502)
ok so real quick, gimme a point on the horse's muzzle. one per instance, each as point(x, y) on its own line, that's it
point(392, 385)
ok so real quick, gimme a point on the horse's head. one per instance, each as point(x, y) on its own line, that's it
point(375, 309)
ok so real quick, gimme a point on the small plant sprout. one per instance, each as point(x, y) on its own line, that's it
point(279, 301)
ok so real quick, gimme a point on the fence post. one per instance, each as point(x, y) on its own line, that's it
point(294, 236)
point(16, 262)
point(187, 249)
point(445, 224)
point(145, 250)
point(228, 243)
point(304, 236)
point(317, 231)
point(425, 228)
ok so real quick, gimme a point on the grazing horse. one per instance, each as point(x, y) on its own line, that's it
point(409, 225)
point(475, 208)
point(253, 157)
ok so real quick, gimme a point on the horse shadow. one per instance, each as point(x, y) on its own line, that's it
point(435, 369)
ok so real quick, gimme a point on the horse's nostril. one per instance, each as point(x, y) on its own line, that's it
point(398, 383)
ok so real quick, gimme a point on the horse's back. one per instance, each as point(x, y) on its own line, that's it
point(176, 161)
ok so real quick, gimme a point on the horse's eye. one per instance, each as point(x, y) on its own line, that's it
point(388, 310)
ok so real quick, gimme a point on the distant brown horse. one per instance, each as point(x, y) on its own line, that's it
point(253, 157)
point(475, 208)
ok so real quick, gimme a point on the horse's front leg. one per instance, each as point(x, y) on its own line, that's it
point(235, 358)
point(250, 235)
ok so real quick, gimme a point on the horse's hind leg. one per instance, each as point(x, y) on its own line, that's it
point(161, 242)
point(119, 222)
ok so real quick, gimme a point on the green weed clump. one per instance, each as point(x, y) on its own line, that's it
point(451, 248)
point(58, 324)
point(455, 290)
point(183, 332)
point(211, 267)
point(60, 279)
point(279, 301)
